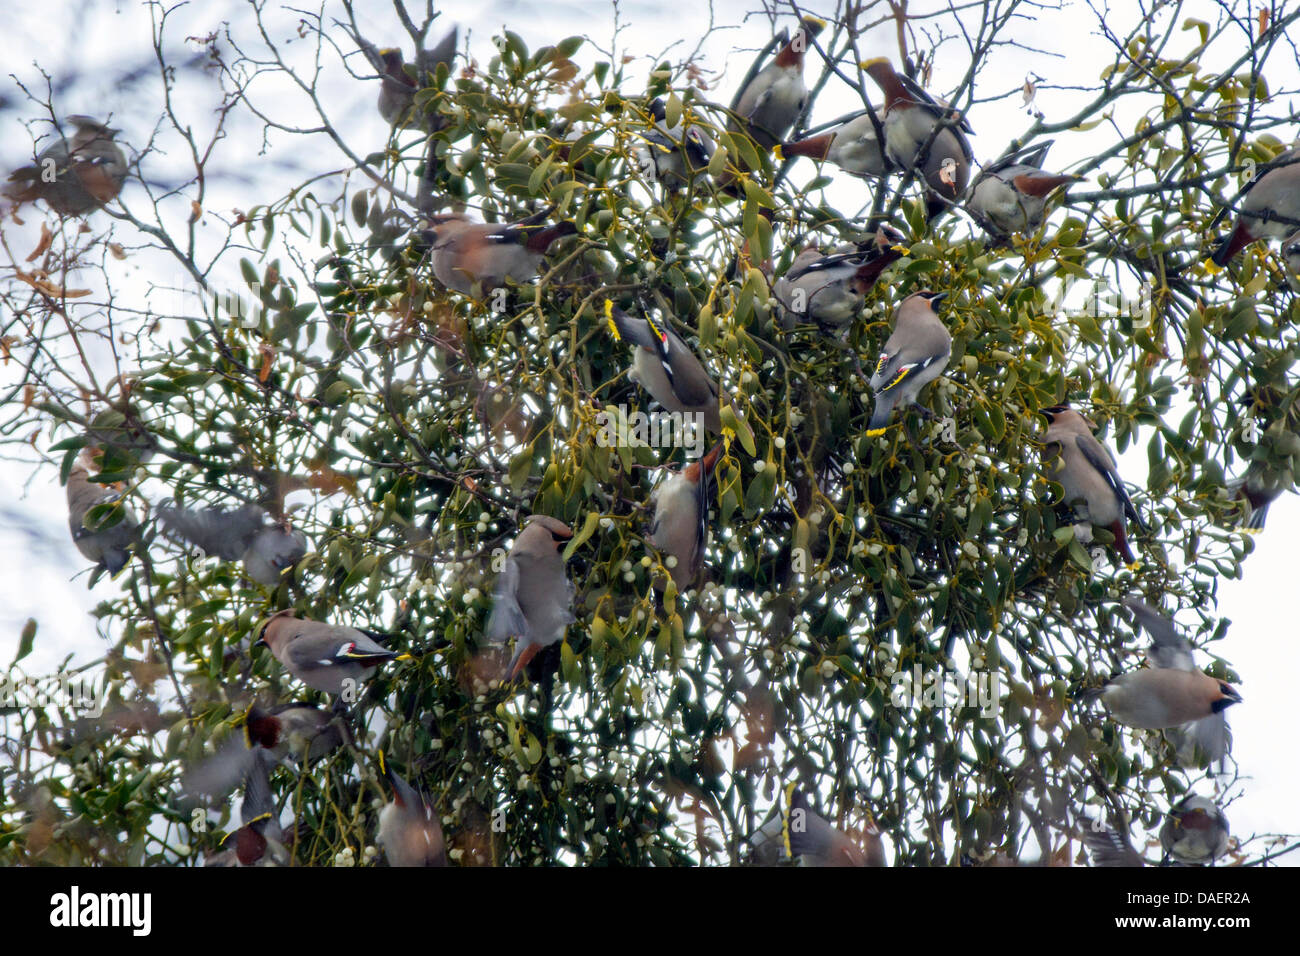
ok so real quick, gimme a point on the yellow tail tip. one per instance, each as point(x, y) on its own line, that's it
point(867, 64)
point(1137, 563)
point(404, 657)
point(1211, 268)
point(778, 153)
point(875, 432)
point(817, 23)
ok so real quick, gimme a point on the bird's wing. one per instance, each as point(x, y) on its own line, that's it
point(507, 618)
point(1100, 458)
point(1168, 649)
point(1211, 735)
point(1109, 847)
point(760, 61)
point(226, 534)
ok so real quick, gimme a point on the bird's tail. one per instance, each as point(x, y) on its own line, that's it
point(1237, 240)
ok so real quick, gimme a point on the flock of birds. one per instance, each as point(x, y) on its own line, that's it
point(913, 135)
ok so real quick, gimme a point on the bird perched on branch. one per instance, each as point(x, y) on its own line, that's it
point(681, 518)
point(1086, 470)
point(911, 118)
point(260, 840)
point(73, 176)
point(1195, 831)
point(409, 830)
point(1269, 207)
point(915, 354)
point(108, 543)
point(666, 368)
point(853, 146)
point(772, 96)
point(533, 601)
point(1172, 691)
point(330, 658)
point(676, 156)
point(831, 289)
point(1010, 195)
point(473, 258)
point(399, 81)
point(267, 550)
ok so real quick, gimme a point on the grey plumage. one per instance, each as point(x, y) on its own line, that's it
point(676, 156)
point(667, 369)
point(1195, 831)
point(533, 599)
point(328, 657)
point(267, 550)
point(73, 176)
point(409, 830)
point(915, 354)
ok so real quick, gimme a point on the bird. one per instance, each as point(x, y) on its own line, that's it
point(680, 527)
point(301, 729)
point(107, 546)
point(1110, 847)
point(533, 600)
point(1195, 831)
point(74, 176)
point(812, 840)
point(1010, 195)
point(831, 289)
point(910, 118)
point(853, 146)
point(325, 657)
point(1172, 691)
point(915, 354)
point(468, 255)
point(772, 96)
point(1259, 487)
point(1269, 207)
point(1086, 470)
point(676, 156)
point(267, 550)
point(666, 368)
point(260, 840)
point(399, 81)
point(409, 830)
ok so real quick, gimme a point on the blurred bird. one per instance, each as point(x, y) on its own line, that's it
point(1195, 831)
point(772, 97)
point(409, 830)
point(534, 598)
point(300, 729)
point(1291, 256)
point(108, 546)
point(467, 255)
point(1010, 195)
point(852, 146)
point(910, 117)
point(1259, 487)
point(1086, 469)
point(323, 656)
point(915, 354)
point(399, 81)
point(1109, 847)
point(1172, 691)
point(74, 176)
point(666, 368)
point(675, 156)
point(812, 840)
point(267, 550)
point(681, 518)
point(1269, 207)
point(260, 841)
point(831, 289)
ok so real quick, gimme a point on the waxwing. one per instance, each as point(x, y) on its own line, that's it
point(1268, 207)
point(915, 354)
point(812, 840)
point(469, 255)
point(666, 368)
point(73, 176)
point(409, 830)
point(1195, 831)
point(1172, 691)
point(1010, 195)
point(910, 116)
point(831, 289)
point(675, 156)
point(533, 601)
point(773, 95)
point(325, 657)
point(681, 518)
point(1086, 469)
point(267, 550)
